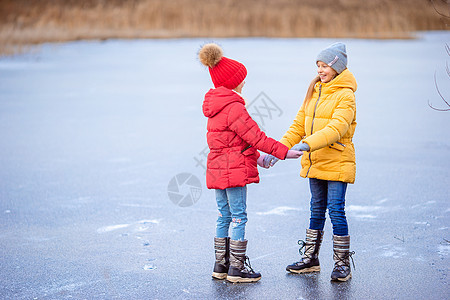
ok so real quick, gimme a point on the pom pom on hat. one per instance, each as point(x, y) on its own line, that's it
point(210, 55)
point(335, 56)
point(224, 71)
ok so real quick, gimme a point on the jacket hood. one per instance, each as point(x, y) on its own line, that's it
point(343, 80)
point(217, 99)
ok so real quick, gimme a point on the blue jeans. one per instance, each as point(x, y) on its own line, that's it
point(328, 194)
point(232, 205)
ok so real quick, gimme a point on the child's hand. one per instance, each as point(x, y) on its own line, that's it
point(294, 154)
point(269, 161)
point(260, 161)
point(301, 147)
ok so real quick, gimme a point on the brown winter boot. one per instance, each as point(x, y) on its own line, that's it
point(310, 259)
point(222, 251)
point(240, 269)
point(342, 255)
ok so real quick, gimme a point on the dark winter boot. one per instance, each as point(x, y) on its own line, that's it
point(240, 268)
point(310, 259)
point(342, 255)
point(222, 250)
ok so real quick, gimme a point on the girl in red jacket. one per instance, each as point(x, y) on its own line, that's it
point(233, 139)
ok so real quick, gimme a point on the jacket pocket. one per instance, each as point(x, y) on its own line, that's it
point(338, 146)
point(247, 151)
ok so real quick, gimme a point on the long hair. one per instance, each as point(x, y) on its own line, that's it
point(310, 91)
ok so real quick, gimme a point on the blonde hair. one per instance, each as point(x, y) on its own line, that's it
point(310, 91)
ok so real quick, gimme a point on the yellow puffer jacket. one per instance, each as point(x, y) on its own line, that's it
point(327, 125)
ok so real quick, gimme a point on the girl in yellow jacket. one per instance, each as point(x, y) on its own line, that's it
point(324, 127)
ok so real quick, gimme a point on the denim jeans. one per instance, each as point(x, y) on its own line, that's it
point(328, 194)
point(232, 205)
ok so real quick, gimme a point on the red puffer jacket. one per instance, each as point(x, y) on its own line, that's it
point(233, 138)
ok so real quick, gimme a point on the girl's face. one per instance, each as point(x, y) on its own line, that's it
point(239, 87)
point(325, 72)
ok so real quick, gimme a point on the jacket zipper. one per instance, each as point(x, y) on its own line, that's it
point(312, 126)
point(246, 148)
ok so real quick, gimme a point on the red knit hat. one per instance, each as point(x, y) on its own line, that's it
point(224, 71)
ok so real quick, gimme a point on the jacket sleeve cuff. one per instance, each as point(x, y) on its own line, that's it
point(285, 149)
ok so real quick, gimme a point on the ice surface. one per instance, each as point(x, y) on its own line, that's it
point(93, 132)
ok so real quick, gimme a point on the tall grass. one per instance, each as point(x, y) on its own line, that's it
point(24, 22)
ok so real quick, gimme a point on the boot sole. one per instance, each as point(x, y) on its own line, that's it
point(237, 279)
point(342, 279)
point(307, 270)
point(219, 275)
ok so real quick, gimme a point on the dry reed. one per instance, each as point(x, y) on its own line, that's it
point(25, 22)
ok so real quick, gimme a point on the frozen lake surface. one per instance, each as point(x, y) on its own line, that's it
point(94, 134)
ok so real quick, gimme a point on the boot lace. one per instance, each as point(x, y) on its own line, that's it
point(341, 262)
point(248, 265)
point(246, 262)
point(302, 245)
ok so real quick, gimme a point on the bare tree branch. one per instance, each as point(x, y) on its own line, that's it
point(439, 92)
point(438, 109)
point(447, 69)
point(440, 95)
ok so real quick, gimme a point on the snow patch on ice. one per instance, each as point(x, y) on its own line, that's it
point(142, 228)
point(365, 216)
point(121, 226)
point(382, 201)
point(280, 211)
point(63, 287)
point(112, 228)
point(423, 204)
point(363, 211)
point(422, 223)
point(139, 205)
point(148, 267)
point(362, 208)
point(420, 258)
point(7, 211)
point(444, 250)
point(148, 222)
point(394, 252)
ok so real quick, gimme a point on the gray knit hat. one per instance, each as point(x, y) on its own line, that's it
point(335, 56)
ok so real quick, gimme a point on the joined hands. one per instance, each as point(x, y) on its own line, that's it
point(266, 161)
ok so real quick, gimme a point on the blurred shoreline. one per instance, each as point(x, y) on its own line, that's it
point(31, 22)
